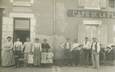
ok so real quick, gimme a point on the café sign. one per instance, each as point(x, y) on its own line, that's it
point(90, 13)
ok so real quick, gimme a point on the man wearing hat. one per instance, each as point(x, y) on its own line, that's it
point(95, 48)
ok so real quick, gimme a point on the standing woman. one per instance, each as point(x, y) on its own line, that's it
point(7, 53)
point(45, 46)
point(45, 52)
point(37, 52)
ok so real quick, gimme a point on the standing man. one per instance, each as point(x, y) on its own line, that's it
point(86, 51)
point(95, 47)
point(27, 50)
point(75, 52)
point(67, 52)
point(18, 49)
point(36, 49)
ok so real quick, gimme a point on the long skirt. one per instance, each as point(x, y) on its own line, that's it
point(37, 57)
point(7, 58)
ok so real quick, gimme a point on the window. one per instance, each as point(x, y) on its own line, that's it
point(112, 3)
point(22, 23)
point(89, 4)
point(22, 2)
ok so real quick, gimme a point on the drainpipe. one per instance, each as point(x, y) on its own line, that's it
point(54, 23)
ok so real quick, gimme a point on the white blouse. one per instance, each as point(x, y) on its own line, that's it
point(18, 45)
point(36, 46)
point(28, 47)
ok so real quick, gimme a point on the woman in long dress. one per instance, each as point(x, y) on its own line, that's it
point(7, 53)
point(45, 52)
point(37, 52)
point(45, 46)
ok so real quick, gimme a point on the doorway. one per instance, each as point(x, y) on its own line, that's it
point(21, 34)
point(91, 31)
point(21, 29)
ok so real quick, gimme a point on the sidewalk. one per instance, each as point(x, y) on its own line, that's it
point(59, 69)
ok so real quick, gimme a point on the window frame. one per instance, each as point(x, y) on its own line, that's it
point(22, 3)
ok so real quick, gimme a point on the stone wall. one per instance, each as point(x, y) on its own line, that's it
point(7, 29)
point(53, 23)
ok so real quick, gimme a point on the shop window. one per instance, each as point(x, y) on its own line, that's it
point(112, 3)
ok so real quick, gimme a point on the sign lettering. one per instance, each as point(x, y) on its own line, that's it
point(90, 13)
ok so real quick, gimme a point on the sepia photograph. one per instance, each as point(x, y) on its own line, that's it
point(57, 35)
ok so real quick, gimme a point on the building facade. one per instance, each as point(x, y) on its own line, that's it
point(57, 20)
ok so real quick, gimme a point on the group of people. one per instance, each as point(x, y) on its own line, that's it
point(14, 52)
point(73, 53)
point(85, 53)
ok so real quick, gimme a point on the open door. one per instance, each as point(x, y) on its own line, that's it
point(21, 28)
point(21, 34)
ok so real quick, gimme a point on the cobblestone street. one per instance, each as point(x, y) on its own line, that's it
point(60, 69)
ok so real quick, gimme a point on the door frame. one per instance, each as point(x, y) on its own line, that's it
point(1, 15)
point(82, 27)
point(93, 23)
point(25, 15)
point(14, 29)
